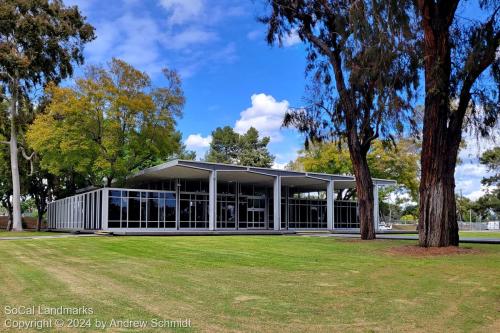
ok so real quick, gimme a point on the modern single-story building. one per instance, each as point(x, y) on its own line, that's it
point(182, 196)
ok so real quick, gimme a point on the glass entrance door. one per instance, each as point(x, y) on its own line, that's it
point(252, 212)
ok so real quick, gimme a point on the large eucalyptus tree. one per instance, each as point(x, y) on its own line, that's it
point(363, 76)
point(40, 40)
point(461, 60)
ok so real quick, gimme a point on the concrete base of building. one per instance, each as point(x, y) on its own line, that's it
point(203, 233)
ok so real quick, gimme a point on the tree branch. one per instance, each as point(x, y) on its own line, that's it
point(7, 74)
point(5, 143)
point(23, 152)
point(447, 8)
point(481, 60)
point(28, 158)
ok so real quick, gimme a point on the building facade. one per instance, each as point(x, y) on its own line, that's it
point(190, 196)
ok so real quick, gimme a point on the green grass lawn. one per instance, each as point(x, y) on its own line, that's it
point(480, 234)
point(4, 233)
point(256, 283)
point(469, 234)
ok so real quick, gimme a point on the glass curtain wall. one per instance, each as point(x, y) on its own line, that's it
point(193, 204)
point(302, 209)
point(156, 209)
point(307, 210)
point(226, 205)
point(141, 209)
point(252, 207)
point(346, 214)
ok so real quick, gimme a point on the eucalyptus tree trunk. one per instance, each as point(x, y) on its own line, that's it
point(14, 161)
point(437, 225)
point(9, 211)
point(364, 190)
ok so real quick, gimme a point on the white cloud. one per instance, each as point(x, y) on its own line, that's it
point(280, 166)
point(291, 39)
point(470, 172)
point(182, 36)
point(266, 115)
point(476, 194)
point(194, 141)
point(132, 38)
point(183, 11)
point(198, 143)
point(188, 37)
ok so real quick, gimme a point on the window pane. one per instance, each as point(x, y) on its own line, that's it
point(185, 210)
point(152, 213)
point(170, 210)
point(204, 186)
point(144, 210)
point(201, 211)
point(114, 193)
point(134, 194)
point(134, 209)
point(231, 212)
point(124, 212)
point(114, 209)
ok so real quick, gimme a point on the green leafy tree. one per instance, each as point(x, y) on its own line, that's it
point(39, 42)
point(227, 146)
point(254, 150)
point(491, 159)
point(224, 147)
point(462, 81)
point(112, 123)
point(41, 186)
point(385, 160)
point(363, 77)
point(489, 203)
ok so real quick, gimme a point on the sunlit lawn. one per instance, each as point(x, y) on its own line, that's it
point(468, 234)
point(256, 283)
point(4, 233)
point(480, 234)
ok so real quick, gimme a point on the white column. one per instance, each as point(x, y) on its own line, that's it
point(375, 208)
point(104, 208)
point(329, 205)
point(92, 211)
point(212, 203)
point(277, 203)
point(177, 204)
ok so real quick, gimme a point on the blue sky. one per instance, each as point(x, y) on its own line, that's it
point(230, 75)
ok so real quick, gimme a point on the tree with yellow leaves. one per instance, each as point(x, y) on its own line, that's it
point(110, 124)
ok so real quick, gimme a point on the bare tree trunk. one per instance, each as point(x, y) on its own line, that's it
point(14, 162)
point(364, 189)
point(437, 224)
point(9, 211)
point(39, 221)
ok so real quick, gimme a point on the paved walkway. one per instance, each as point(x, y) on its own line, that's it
point(386, 236)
